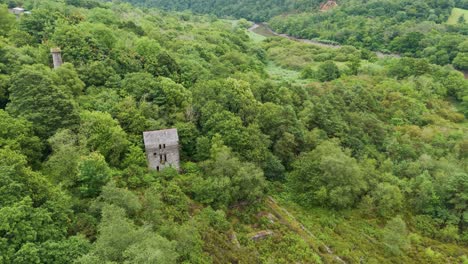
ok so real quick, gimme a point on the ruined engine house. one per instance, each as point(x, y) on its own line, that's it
point(162, 149)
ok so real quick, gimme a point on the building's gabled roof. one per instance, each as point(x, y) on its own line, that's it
point(166, 136)
point(18, 9)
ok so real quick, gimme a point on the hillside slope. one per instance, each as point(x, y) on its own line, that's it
point(249, 9)
point(410, 28)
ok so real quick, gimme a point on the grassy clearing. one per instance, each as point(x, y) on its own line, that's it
point(264, 31)
point(281, 74)
point(456, 14)
point(276, 72)
point(257, 38)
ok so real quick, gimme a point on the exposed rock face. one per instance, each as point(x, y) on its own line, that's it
point(330, 4)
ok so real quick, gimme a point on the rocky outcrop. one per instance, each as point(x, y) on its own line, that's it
point(330, 4)
point(261, 235)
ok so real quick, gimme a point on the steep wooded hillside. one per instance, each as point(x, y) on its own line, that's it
point(291, 152)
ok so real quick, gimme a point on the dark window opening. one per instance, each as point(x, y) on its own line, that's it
point(160, 158)
point(165, 157)
point(157, 168)
point(159, 146)
point(164, 145)
point(155, 154)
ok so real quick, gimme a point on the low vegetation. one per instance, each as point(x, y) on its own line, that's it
point(457, 16)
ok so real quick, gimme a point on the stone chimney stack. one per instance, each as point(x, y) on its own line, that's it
point(56, 57)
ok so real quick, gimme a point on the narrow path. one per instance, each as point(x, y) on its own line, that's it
point(288, 219)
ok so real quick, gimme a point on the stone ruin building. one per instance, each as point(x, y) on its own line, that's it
point(162, 149)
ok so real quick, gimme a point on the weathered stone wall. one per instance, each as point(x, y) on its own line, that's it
point(159, 159)
point(56, 57)
point(162, 149)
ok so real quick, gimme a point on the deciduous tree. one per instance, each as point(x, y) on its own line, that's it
point(327, 176)
point(35, 96)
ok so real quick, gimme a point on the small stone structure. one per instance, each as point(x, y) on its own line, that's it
point(56, 57)
point(162, 148)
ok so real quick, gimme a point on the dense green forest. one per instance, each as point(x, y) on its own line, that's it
point(291, 152)
point(414, 28)
point(256, 10)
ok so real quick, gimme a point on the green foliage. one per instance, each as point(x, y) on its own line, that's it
point(7, 20)
point(35, 96)
point(98, 73)
point(69, 79)
point(83, 42)
point(131, 117)
point(415, 28)
point(93, 173)
point(140, 85)
point(253, 10)
point(166, 202)
point(122, 198)
point(354, 65)
point(408, 43)
point(394, 236)
point(20, 181)
point(226, 180)
point(135, 172)
point(101, 15)
point(121, 240)
point(61, 166)
point(65, 251)
point(386, 134)
point(457, 16)
point(103, 134)
point(388, 199)
point(457, 197)
point(4, 82)
point(327, 176)
point(40, 24)
point(425, 199)
point(461, 61)
point(17, 134)
point(34, 216)
point(328, 71)
point(409, 67)
point(449, 234)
